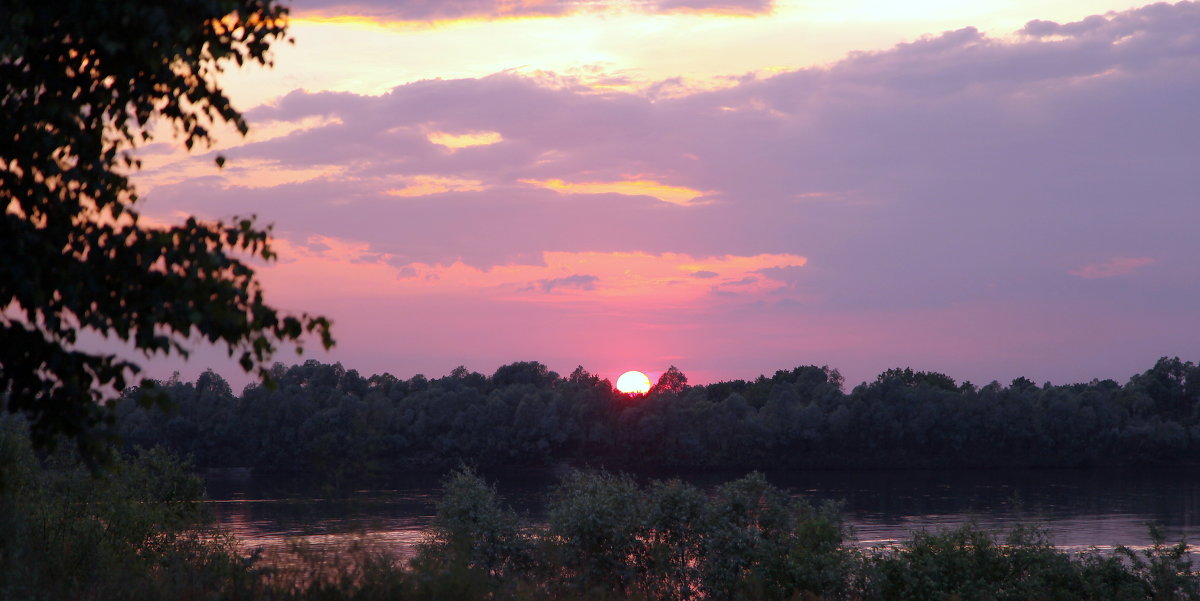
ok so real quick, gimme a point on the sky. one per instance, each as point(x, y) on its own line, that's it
point(985, 189)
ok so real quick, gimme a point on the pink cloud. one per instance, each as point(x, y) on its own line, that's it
point(1117, 266)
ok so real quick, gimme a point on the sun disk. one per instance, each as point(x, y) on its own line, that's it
point(633, 382)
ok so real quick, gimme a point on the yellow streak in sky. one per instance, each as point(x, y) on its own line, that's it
point(424, 185)
point(465, 140)
point(366, 22)
point(677, 195)
point(506, 11)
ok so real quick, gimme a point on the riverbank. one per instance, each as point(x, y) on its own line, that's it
point(139, 533)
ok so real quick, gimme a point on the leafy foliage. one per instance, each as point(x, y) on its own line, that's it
point(473, 530)
point(81, 89)
point(610, 538)
point(607, 536)
point(969, 563)
point(136, 532)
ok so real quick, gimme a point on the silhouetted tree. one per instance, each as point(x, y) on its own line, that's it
point(671, 381)
point(81, 89)
point(523, 372)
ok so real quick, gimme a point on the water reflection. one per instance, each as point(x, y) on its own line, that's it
point(1081, 509)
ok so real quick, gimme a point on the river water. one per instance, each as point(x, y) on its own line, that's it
point(1080, 508)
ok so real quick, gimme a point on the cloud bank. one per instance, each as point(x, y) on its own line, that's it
point(955, 187)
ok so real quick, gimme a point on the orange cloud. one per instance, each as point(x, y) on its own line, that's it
point(1115, 267)
point(424, 185)
point(677, 195)
point(465, 140)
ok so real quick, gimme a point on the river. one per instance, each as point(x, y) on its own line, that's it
point(1080, 508)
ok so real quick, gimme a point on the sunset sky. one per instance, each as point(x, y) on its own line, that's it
point(987, 189)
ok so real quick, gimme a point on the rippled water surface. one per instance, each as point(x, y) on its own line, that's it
point(1081, 508)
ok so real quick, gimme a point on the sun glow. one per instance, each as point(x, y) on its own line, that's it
point(633, 382)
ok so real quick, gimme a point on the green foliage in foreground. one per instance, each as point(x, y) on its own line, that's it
point(134, 533)
point(138, 534)
point(609, 538)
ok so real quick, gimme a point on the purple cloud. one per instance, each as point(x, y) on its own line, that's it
point(577, 282)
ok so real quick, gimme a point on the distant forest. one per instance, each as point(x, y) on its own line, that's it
point(332, 421)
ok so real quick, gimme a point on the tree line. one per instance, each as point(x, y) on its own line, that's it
point(324, 418)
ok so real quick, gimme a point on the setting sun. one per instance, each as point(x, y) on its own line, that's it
point(633, 382)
